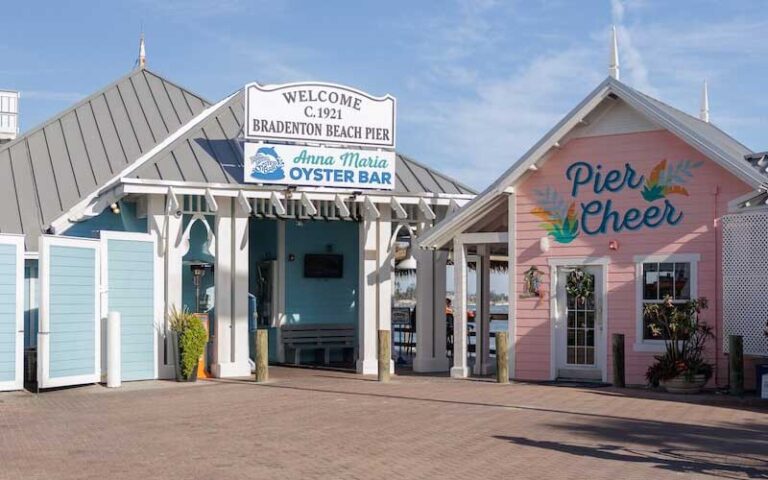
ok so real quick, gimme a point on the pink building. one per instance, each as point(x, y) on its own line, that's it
point(626, 191)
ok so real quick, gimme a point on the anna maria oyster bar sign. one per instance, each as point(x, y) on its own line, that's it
point(319, 134)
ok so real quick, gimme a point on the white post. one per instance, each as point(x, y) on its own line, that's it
point(459, 369)
point(222, 354)
point(375, 310)
point(483, 314)
point(384, 290)
point(367, 362)
point(280, 286)
point(167, 228)
point(440, 321)
point(512, 279)
point(239, 296)
point(113, 350)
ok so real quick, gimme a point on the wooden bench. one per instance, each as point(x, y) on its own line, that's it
point(319, 337)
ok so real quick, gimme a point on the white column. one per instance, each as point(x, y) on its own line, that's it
point(483, 314)
point(366, 361)
point(375, 289)
point(222, 280)
point(512, 274)
point(167, 228)
point(440, 270)
point(430, 310)
point(384, 263)
point(239, 297)
point(280, 315)
point(459, 369)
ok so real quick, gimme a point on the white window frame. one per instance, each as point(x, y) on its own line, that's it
point(642, 345)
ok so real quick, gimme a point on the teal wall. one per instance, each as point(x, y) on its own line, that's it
point(8, 312)
point(321, 300)
point(130, 268)
point(125, 221)
point(72, 311)
point(310, 300)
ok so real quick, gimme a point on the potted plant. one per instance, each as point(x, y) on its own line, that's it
point(681, 368)
point(188, 338)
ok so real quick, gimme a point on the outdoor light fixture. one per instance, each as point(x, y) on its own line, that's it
point(115, 208)
point(544, 244)
point(408, 263)
point(613, 245)
point(198, 272)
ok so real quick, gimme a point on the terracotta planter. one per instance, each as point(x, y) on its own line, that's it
point(680, 384)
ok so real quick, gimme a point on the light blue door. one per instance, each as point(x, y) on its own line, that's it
point(69, 337)
point(11, 319)
point(128, 263)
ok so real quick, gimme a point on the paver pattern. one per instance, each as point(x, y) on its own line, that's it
point(318, 424)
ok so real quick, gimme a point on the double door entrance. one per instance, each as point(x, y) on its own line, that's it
point(579, 338)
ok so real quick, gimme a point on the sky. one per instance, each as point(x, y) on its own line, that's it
point(477, 81)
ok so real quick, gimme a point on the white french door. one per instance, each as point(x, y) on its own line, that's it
point(579, 325)
point(11, 312)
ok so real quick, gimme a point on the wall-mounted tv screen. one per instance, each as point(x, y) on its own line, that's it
point(325, 265)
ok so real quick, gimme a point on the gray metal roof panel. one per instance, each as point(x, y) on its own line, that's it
point(219, 157)
point(52, 167)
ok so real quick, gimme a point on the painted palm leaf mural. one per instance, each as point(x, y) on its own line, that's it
point(559, 218)
point(667, 179)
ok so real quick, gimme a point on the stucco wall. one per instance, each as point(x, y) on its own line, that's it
point(709, 189)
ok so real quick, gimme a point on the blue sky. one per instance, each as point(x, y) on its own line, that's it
point(477, 81)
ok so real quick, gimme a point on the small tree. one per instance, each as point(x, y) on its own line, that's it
point(684, 339)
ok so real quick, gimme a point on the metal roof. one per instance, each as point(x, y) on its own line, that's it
point(54, 166)
point(703, 136)
point(211, 152)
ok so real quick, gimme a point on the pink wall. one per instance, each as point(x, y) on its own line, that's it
point(710, 189)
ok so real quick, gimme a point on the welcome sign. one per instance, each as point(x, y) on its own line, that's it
point(319, 166)
point(565, 218)
point(319, 112)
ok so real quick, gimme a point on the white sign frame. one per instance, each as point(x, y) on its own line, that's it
point(269, 101)
point(331, 167)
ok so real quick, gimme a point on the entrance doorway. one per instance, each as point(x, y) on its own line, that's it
point(579, 322)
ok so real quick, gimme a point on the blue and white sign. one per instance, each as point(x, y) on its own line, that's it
point(319, 166)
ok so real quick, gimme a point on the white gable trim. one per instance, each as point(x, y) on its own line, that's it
point(442, 233)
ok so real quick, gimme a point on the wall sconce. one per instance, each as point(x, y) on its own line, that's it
point(115, 208)
point(613, 245)
point(544, 244)
point(291, 257)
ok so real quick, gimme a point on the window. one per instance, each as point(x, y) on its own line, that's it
point(660, 276)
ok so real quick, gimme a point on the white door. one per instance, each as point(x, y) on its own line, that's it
point(579, 340)
point(11, 312)
point(128, 284)
point(69, 340)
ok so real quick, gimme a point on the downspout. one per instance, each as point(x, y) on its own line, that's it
point(718, 266)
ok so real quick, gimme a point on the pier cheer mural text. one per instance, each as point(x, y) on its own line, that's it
point(564, 217)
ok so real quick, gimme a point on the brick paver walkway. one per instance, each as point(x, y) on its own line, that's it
point(319, 424)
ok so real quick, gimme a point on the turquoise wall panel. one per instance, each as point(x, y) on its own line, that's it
point(125, 221)
point(130, 270)
point(198, 236)
point(7, 312)
point(72, 304)
point(321, 300)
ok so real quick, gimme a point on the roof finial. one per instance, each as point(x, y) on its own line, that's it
point(613, 67)
point(142, 53)
point(704, 112)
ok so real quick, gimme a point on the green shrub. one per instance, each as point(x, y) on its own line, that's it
point(192, 339)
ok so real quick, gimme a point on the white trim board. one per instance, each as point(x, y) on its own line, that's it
point(457, 222)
